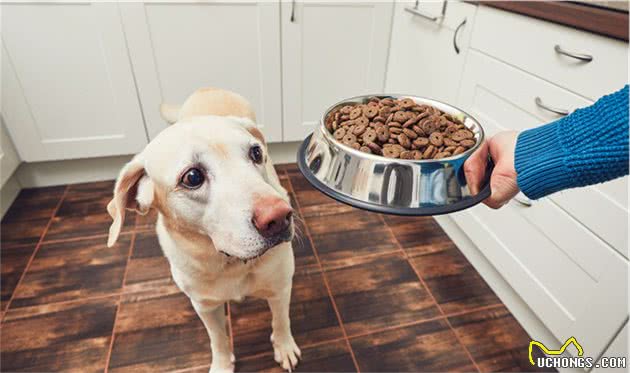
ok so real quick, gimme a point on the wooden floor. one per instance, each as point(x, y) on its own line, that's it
point(371, 293)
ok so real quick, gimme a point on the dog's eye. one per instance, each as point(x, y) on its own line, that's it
point(192, 178)
point(256, 154)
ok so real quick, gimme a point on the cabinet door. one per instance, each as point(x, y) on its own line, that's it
point(9, 159)
point(330, 51)
point(177, 48)
point(68, 89)
point(423, 60)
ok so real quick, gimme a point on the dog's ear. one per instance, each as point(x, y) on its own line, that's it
point(133, 191)
point(170, 113)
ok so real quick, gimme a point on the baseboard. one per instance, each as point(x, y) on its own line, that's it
point(40, 174)
point(8, 193)
point(284, 152)
point(521, 311)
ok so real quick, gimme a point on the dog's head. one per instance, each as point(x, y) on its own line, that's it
point(208, 176)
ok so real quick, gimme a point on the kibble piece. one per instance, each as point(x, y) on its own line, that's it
point(379, 119)
point(417, 155)
point(404, 141)
point(463, 134)
point(459, 150)
point(441, 155)
point(400, 116)
point(370, 111)
point(467, 143)
point(450, 149)
point(387, 102)
point(411, 134)
point(421, 141)
point(406, 154)
point(359, 129)
point(355, 113)
point(347, 123)
point(407, 103)
point(395, 130)
point(394, 124)
point(382, 133)
point(362, 121)
point(375, 148)
point(391, 152)
point(346, 109)
point(429, 126)
point(349, 139)
point(365, 149)
point(356, 145)
point(449, 142)
point(389, 118)
point(436, 139)
point(369, 135)
point(428, 152)
point(339, 133)
point(418, 130)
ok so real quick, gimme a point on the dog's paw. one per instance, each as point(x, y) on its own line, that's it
point(222, 365)
point(286, 352)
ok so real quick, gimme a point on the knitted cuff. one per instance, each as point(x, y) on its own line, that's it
point(539, 162)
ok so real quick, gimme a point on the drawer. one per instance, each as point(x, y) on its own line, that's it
point(502, 97)
point(569, 278)
point(529, 44)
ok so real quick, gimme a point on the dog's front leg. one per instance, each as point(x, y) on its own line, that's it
point(213, 317)
point(286, 351)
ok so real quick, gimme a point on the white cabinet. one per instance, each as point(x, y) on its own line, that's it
point(330, 51)
point(9, 159)
point(67, 87)
point(423, 60)
point(177, 47)
point(571, 272)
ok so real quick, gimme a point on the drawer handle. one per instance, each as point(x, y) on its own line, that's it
point(578, 56)
point(415, 11)
point(455, 35)
point(554, 110)
point(523, 200)
point(292, 19)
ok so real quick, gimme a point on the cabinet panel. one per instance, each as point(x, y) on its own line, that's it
point(178, 47)
point(530, 44)
point(423, 60)
point(495, 92)
point(330, 51)
point(69, 90)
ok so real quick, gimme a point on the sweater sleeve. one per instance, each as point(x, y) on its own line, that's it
point(589, 146)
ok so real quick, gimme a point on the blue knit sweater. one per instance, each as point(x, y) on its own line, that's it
point(589, 146)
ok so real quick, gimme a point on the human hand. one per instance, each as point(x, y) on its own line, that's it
point(503, 179)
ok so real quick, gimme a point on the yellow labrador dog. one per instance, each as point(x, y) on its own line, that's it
point(225, 223)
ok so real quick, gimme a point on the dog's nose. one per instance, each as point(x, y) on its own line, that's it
point(271, 216)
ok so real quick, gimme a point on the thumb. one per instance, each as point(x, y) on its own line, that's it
point(475, 168)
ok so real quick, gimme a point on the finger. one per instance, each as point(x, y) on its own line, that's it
point(503, 188)
point(475, 168)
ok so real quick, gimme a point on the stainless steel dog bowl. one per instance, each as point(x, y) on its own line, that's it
point(392, 186)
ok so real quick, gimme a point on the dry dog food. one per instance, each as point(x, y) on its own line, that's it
point(399, 128)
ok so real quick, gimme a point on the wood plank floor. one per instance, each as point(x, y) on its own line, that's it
point(371, 293)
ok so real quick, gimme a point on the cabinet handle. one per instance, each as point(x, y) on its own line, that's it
point(541, 105)
point(415, 11)
point(523, 200)
point(578, 56)
point(292, 11)
point(455, 35)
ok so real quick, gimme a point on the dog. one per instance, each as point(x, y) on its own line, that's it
point(225, 223)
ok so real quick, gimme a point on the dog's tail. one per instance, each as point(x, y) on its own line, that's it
point(209, 101)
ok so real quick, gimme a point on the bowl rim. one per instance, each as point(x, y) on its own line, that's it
point(356, 152)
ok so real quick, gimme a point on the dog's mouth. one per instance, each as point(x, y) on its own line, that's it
point(268, 244)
